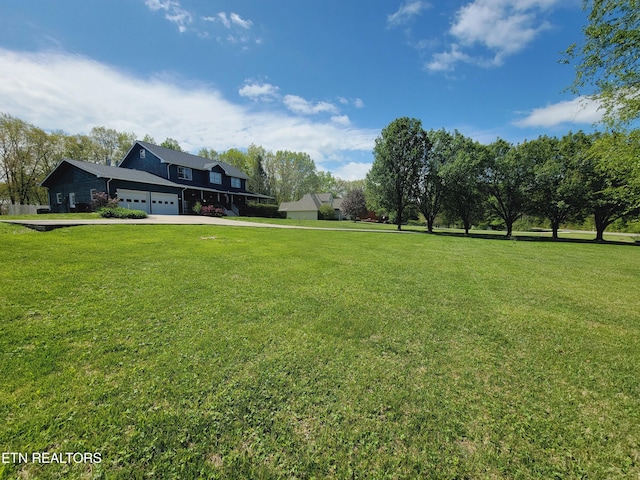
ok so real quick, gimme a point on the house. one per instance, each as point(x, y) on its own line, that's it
point(155, 179)
point(307, 207)
point(73, 184)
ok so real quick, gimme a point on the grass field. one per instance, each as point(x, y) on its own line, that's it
point(224, 352)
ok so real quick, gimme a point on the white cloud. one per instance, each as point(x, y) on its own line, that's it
point(341, 120)
point(406, 12)
point(74, 93)
point(501, 27)
point(352, 171)
point(445, 61)
point(299, 105)
point(581, 110)
point(240, 22)
point(259, 91)
point(173, 12)
point(230, 20)
point(222, 16)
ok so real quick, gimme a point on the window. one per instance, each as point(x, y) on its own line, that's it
point(215, 177)
point(59, 198)
point(235, 182)
point(184, 173)
point(143, 153)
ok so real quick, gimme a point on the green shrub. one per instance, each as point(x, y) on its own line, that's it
point(264, 210)
point(326, 212)
point(120, 212)
point(197, 208)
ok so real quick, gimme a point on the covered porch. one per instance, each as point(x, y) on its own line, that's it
point(232, 202)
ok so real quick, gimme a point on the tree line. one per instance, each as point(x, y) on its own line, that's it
point(28, 154)
point(560, 180)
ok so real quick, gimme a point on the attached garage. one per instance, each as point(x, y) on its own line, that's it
point(134, 199)
point(164, 203)
point(155, 203)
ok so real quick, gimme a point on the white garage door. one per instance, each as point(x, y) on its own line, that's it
point(164, 203)
point(133, 199)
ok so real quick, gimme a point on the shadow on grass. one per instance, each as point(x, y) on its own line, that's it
point(526, 237)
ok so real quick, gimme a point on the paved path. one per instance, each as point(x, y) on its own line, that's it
point(46, 224)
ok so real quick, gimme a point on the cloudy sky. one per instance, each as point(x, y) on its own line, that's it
point(322, 77)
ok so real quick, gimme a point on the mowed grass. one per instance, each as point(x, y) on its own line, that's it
point(224, 352)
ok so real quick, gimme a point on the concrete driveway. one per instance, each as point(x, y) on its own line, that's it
point(45, 224)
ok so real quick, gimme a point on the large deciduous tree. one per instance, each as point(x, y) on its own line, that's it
point(507, 178)
point(27, 154)
point(462, 175)
point(431, 188)
point(611, 172)
point(608, 58)
point(399, 153)
point(108, 146)
point(558, 194)
point(290, 175)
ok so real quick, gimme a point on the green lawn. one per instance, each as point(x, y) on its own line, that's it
point(224, 352)
point(528, 234)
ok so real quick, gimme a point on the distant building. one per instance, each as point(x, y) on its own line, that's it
point(307, 207)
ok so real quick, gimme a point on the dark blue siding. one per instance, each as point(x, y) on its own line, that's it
point(150, 163)
point(79, 182)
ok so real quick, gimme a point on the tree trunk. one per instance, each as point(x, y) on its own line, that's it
point(509, 229)
point(602, 221)
point(429, 225)
point(554, 230)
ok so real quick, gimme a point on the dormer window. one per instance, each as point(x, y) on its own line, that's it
point(184, 173)
point(236, 183)
point(143, 153)
point(215, 177)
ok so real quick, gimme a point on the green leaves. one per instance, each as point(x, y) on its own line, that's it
point(399, 154)
point(609, 60)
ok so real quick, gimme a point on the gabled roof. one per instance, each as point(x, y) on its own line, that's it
point(184, 159)
point(116, 173)
point(310, 202)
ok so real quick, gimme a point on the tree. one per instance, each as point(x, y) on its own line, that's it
point(507, 178)
point(236, 158)
point(258, 181)
point(108, 145)
point(611, 172)
point(26, 156)
point(290, 175)
point(209, 153)
point(462, 180)
point(171, 144)
point(430, 183)
point(399, 153)
point(327, 183)
point(354, 204)
point(608, 58)
point(558, 192)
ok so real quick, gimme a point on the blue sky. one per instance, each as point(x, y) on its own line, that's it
point(322, 77)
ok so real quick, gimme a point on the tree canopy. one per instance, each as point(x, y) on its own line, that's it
point(609, 59)
point(399, 153)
